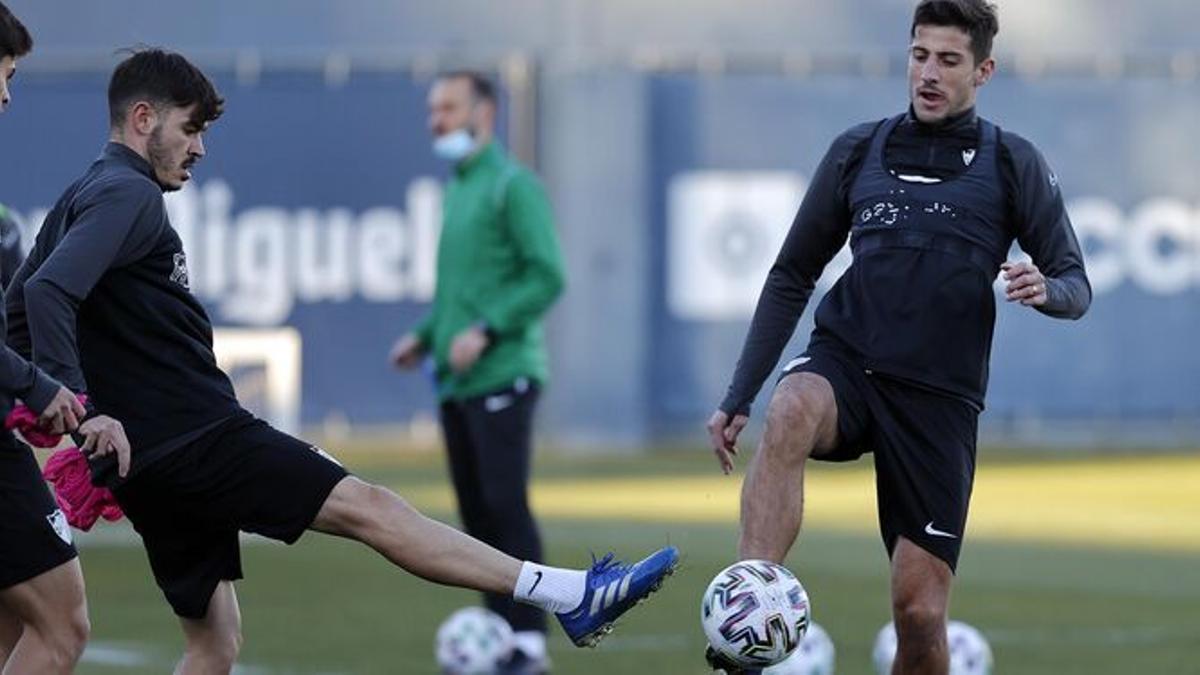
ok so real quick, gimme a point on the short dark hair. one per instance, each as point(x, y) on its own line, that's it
point(15, 40)
point(162, 78)
point(482, 87)
point(976, 18)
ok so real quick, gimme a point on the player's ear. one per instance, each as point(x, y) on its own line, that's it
point(983, 73)
point(143, 117)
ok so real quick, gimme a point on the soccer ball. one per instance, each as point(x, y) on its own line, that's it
point(969, 650)
point(472, 641)
point(755, 613)
point(814, 656)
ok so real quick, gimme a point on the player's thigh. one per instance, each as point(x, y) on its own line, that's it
point(11, 628)
point(271, 483)
point(803, 407)
point(51, 601)
point(924, 446)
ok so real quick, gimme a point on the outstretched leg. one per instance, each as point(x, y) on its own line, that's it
point(586, 602)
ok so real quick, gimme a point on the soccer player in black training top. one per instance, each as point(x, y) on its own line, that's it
point(897, 364)
point(43, 611)
point(103, 304)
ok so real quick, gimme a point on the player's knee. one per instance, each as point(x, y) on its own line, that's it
point(918, 618)
point(356, 508)
point(797, 410)
point(218, 649)
point(67, 639)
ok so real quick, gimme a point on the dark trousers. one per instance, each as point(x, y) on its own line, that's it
point(489, 442)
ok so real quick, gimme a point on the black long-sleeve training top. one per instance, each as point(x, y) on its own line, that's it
point(102, 304)
point(18, 377)
point(930, 218)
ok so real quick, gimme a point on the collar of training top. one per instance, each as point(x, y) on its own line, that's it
point(127, 156)
point(951, 124)
point(489, 155)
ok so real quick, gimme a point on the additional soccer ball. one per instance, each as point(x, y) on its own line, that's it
point(814, 656)
point(755, 613)
point(472, 641)
point(969, 650)
point(970, 653)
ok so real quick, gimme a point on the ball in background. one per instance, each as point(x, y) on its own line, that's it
point(472, 641)
point(815, 656)
point(970, 653)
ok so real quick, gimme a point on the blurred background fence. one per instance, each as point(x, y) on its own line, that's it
point(676, 139)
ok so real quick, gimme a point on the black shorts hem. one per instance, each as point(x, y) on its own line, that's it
point(14, 577)
point(947, 553)
point(319, 497)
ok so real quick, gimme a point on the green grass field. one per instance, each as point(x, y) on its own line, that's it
point(1115, 600)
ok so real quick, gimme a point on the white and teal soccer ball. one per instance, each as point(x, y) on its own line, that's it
point(472, 641)
point(814, 656)
point(755, 613)
point(970, 653)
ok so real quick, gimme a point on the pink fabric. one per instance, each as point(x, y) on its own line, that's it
point(24, 420)
point(82, 502)
point(67, 469)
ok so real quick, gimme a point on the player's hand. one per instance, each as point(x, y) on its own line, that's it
point(104, 435)
point(1025, 283)
point(63, 414)
point(467, 347)
point(722, 434)
point(407, 352)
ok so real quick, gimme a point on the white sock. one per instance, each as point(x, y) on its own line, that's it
point(554, 589)
point(532, 643)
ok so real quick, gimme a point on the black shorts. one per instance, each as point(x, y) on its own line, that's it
point(924, 446)
point(242, 476)
point(34, 535)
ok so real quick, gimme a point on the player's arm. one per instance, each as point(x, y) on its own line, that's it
point(1055, 283)
point(10, 246)
point(512, 307)
point(58, 410)
point(817, 233)
point(114, 225)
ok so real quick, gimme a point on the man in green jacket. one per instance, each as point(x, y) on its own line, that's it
point(498, 271)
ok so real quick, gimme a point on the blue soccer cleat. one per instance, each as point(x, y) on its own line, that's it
point(612, 590)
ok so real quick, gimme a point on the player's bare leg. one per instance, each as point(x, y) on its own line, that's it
point(10, 632)
point(437, 552)
point(920, 603)
point(801, 419)
point(52, 609)
point(429, 549)
point(213, 643)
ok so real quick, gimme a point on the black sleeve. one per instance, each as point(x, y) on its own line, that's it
point(114, 224)
point(818, 232)
point(19, 378)
point(1044, 230)
point(10, 247)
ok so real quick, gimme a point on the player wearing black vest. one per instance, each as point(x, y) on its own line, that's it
point(103, 303)
point(931, 202)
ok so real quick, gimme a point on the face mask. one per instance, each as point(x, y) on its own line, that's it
point(454, 146)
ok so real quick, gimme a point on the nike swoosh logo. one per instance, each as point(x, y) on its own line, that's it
point(929, 529)
point(536, 581)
